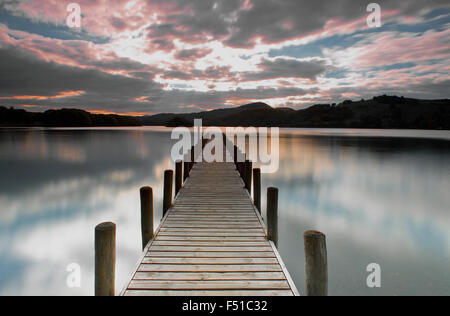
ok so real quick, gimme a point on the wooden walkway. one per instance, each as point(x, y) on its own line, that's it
point(211, 242)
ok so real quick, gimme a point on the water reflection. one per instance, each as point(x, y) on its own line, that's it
point(382, 200)
point(56, 186)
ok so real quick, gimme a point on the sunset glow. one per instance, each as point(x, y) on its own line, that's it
point(158, 56)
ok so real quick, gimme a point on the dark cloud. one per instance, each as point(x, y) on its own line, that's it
point(272, 20)
point(210, 73)
point(288, 68)
point(268, 18)
point(194, 54)
point(24, 74)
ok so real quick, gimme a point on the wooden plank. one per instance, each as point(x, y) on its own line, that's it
point(210, 220)
point(209, 285)
point(214, 261)
point(212, 242)
point(209, 268)
point(212, 234)
point(255, 293)
point(230, 226)
point(187, 254)
point(217, 276)
point(210, 238)
point(189, 230)
point(211, 249)
point(208, 243)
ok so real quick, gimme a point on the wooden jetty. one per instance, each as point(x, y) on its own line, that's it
point(211, 242)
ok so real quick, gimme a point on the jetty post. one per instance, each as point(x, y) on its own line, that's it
point(178, 176)
point(185, 171)
point(147, 228)
point(105, 259)
point(257, 188)
point(316, 263)
point(272, 215)
point(192, 158)
point(168, 187)
point(248, 175)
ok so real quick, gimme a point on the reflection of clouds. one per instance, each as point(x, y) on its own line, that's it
point(70, 153)
point(372, 193)
point(56, 242)
point(376, 201)
point(48, 220)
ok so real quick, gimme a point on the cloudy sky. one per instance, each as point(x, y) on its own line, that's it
point(152, 56)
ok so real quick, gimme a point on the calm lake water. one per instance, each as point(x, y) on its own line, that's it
point(379, 196)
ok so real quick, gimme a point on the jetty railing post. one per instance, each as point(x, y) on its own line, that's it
point(178, 176)
point(316, 263)
point(192, 158)
point(168, 187)
point(185, 171)
point(146, 215)
point(257, 188)
point(272, 215)
point(241, 170)
point(235, 155)
point(105, 259)
point(248, 175)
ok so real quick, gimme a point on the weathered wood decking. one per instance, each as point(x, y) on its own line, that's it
point(211, 242)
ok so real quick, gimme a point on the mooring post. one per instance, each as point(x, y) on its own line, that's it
point(178, 176)
point(316, 263)
point(146, 215)
point(192, 158)
point(272, 215)
point(248, 175)
point(168, 187)
point(185, 171)
point(105, 259)
point(241, 166)
point(257, 188)
point(235, 155)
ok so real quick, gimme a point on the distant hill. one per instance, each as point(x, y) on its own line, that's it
point(63, 118)
point(381, 112)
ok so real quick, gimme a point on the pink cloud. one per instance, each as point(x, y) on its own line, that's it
point(392, 49)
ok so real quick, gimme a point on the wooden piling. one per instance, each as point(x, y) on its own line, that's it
point(257, 188)
point(147, 230)
point(241, 166)
point(272, 215)
point(168, 187)
point(105, 259)
point(185, 171)
point(192, 158)
point(248, 175)
point(178, 176)
point(316, 263)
